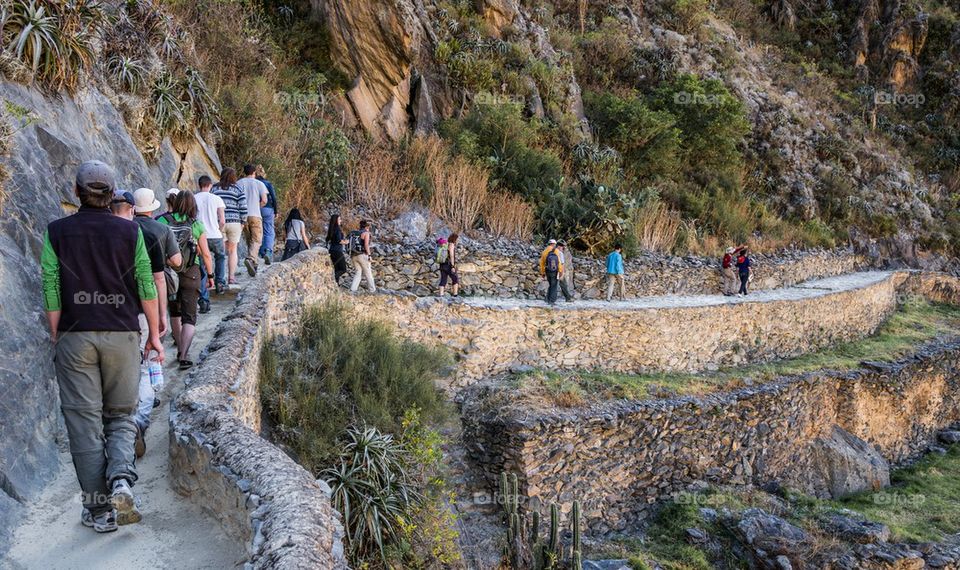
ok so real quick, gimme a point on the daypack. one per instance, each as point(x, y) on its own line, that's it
point(553, 261)
point(183, 232)
point(356, 243)
point(443, 254)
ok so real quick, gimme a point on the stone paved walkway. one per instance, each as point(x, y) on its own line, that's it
point(806, 290)
point(173, 534)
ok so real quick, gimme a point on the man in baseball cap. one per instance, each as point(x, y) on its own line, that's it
point(96, 280)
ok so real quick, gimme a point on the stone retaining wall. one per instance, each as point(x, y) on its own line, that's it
point(619, 458)
point(491, 338)
point(513, 271)
point(217, 457)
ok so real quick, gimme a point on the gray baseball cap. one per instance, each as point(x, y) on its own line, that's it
point(96, 176)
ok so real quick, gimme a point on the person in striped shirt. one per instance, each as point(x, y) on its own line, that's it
point(235, 215)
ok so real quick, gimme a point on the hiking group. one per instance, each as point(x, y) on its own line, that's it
point(117, 276)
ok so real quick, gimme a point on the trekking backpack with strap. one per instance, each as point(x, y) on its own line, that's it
point(443, 254)
point(553, 262)
point(183, 232)
point(356, 243)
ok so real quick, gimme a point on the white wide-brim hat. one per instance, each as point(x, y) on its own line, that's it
point(145, 201)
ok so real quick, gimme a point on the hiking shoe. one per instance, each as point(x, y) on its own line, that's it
point(267, 260)
point(123, 500)
point(221, 288)
point(251, 266)
point(139, 444)
point(204, 307)
point(104, 522)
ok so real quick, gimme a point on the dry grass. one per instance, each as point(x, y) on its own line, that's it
point(379, 183)
point(425, 155)
point(656, 227)
point(459, 193)
point(508, 215)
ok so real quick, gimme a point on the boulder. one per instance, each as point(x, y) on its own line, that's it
point(844, 464)
point(771, 541)
point(852, 527)
point(949, 437)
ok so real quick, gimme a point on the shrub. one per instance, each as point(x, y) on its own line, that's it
point(378, 182)
point(459, 193)
point(340, 370)
point(655, 227)
point(508, 215)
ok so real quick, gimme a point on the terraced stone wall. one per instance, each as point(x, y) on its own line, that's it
point(218, 458)
point(492, 337)
point(512, 270)
point(621, 457)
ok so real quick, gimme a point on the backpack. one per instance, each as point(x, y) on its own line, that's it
point(553, 261)
point(443, 254)
point(183, 232)
point(356, 243)
point(173, 282)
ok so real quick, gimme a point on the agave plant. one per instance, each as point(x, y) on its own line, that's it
point(204, 108)
point(170, 111)
point(371, 490)
point(33, 33)
point(126, 72)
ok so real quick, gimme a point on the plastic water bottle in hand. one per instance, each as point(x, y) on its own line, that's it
point(156, 373)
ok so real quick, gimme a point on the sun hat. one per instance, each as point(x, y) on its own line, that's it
point(730, 250)
point(173, 192)
point(96, 176)
point(145, 201)
point(552, 242)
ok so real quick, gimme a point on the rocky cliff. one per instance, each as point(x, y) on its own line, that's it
point(51, 135)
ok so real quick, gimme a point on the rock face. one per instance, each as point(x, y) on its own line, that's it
point(53, 138)
point(848, 464)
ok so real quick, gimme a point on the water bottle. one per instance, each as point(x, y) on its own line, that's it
point(156, 374)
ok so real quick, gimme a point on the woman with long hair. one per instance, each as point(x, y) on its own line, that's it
point(335, 242)
point(182, 219)
point(297, 238)
point(447, 258)
point(235, 212)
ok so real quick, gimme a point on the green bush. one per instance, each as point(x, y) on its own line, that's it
point(340, 370)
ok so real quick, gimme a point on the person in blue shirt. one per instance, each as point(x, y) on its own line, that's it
point(743, 268)
point(268, 212)
point(615, 272)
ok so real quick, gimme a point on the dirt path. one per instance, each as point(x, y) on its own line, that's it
point(174, 533)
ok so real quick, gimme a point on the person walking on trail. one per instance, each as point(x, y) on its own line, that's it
point(163, 251)
point(297, 238)
point(728, 273)
point(743, 269)
point(268, 212)
point(96, 280)
point(551, 267)
point(447, 260)
point(615, 273)
point(335, 242)
point(359, 244)
point(211, 210)
point(256, 194)
point(235, 214)
point(566, 280)
point(192, 242)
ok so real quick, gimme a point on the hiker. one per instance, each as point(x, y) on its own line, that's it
point(192, 241)
point(447, 260)
point(359, 241)
point(164, 253)
point(235, 214)
point(566, 279)
point(96, 280)
point(256, 194)
point(268, 212)
point(211, 210)
point(728, 275)
point(171, 198)
point(615, 272)
point(743, 269)
point(551, 267)
point(335, 243)
point(296, 232)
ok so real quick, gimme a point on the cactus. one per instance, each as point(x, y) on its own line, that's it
point(575, 515)
point(554, 545)
point(576, 562)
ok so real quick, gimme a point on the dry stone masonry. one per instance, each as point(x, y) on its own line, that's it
point(492, 336)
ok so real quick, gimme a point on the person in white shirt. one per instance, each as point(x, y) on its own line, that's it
point(211, 210)
point(256, 194)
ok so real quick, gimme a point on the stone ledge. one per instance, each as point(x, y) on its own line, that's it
point(217, 457)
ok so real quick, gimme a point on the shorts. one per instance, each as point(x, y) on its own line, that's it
point(185, 305)
point(448, 272)
point(232, 232)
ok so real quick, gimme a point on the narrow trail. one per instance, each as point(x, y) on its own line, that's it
point(173, 534)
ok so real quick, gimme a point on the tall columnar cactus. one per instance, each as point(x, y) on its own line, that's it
point(576, 562)
point(554, 544)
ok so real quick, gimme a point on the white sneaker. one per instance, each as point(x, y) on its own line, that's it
point(104, 522)
point(123, 500)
